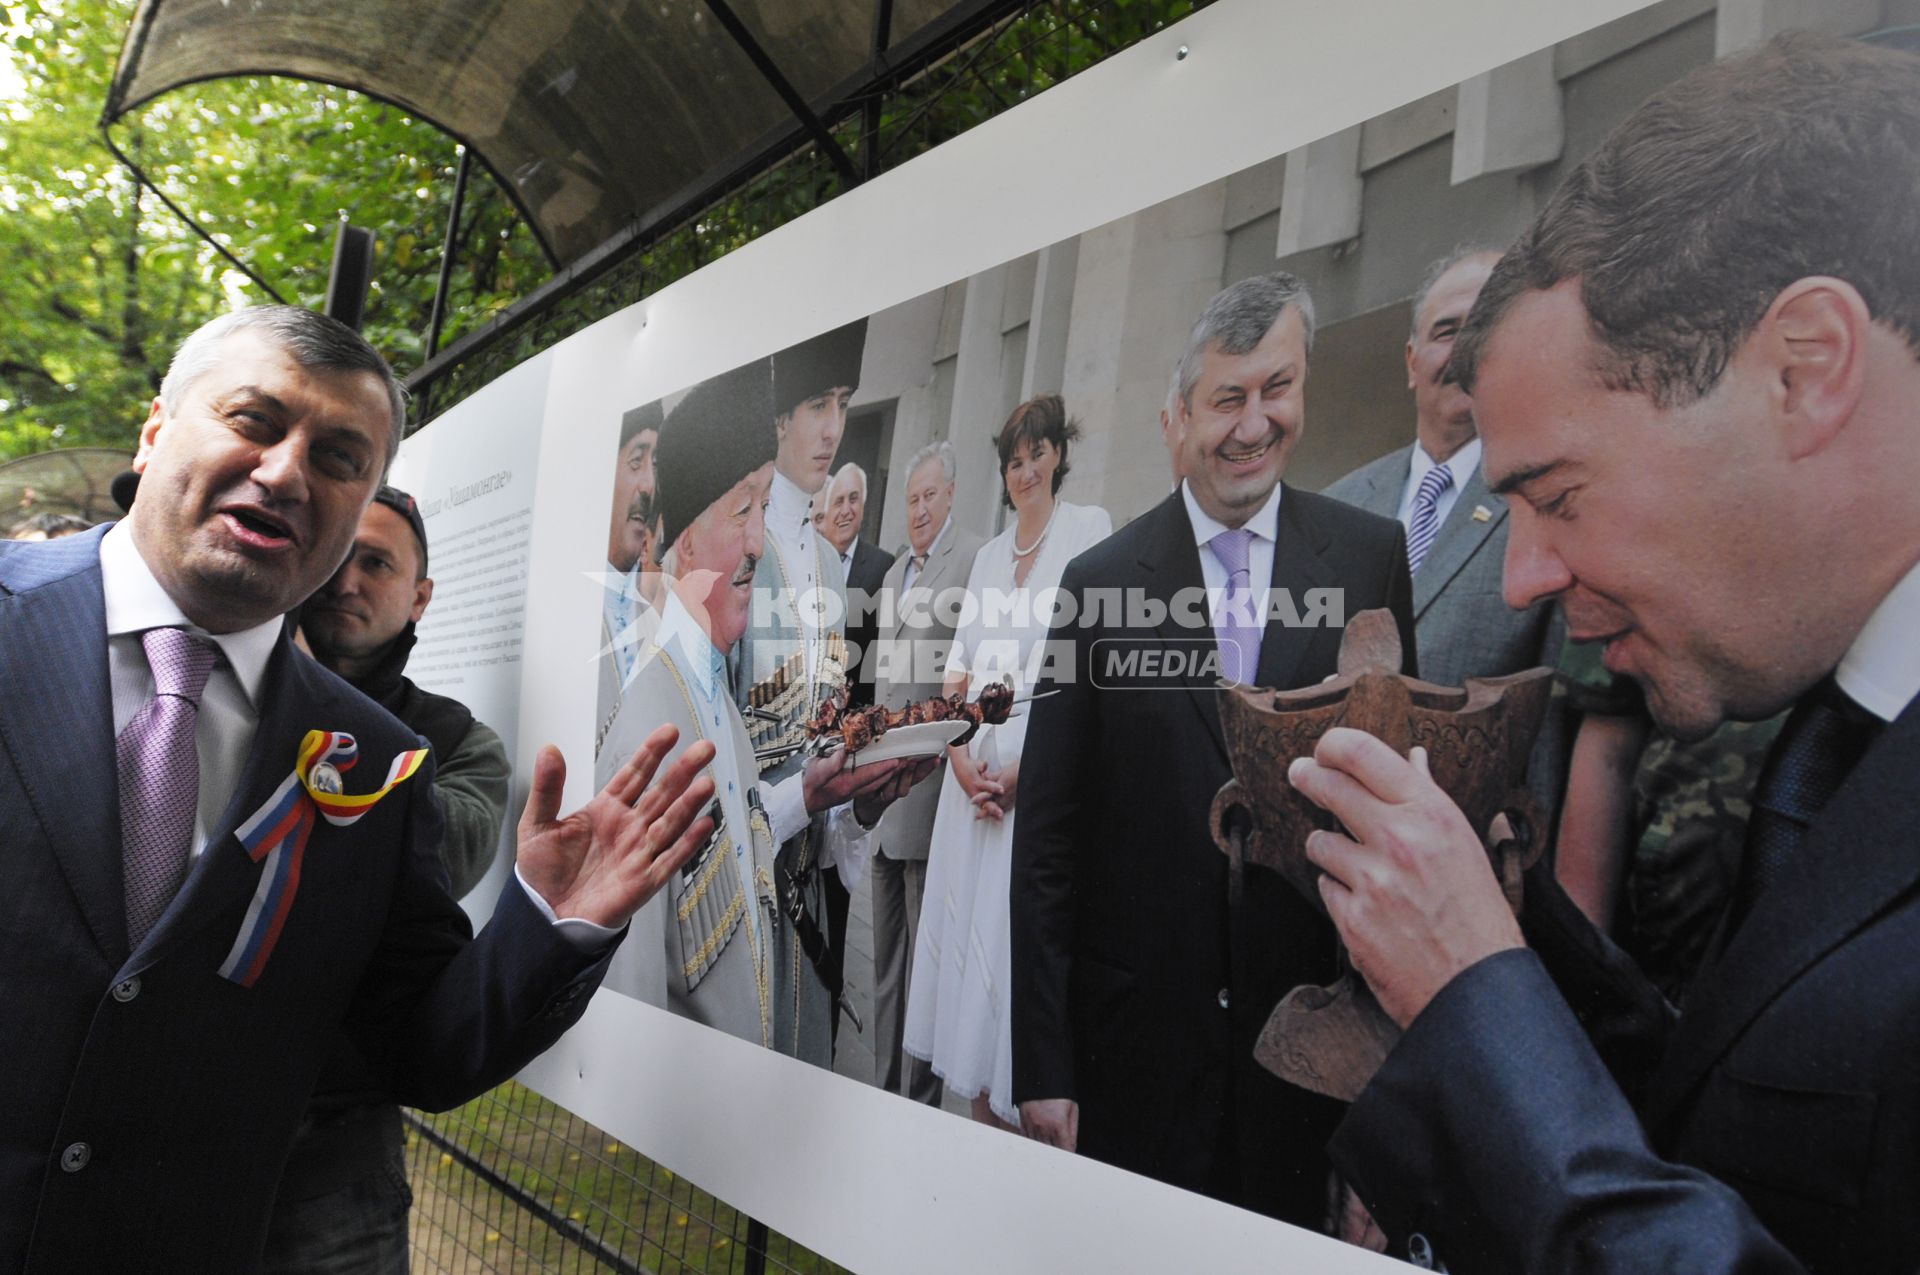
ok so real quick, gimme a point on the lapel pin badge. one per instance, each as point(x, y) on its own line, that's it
point(1482, 514)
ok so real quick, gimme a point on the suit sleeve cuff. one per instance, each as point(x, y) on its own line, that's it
point(585, 936)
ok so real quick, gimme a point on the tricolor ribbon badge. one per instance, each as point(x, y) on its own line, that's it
point(278, 832)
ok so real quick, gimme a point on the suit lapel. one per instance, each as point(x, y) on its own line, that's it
point(61, 742)
point(292, 702)
point(941, 561)
point(1855, 860)
point(1385, 481)
point(1460, 537)
point(1297, 566)
point(1171, 562)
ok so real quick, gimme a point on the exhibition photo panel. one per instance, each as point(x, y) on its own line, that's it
point(951, 588)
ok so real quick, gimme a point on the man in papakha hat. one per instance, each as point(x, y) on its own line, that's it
point(717, 946)
point(628, 611)
point(794, 654)
point(343, 1192)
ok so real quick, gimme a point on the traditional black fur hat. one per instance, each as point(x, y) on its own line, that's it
point(644, 417)
point(818, 364)
point(716, 435)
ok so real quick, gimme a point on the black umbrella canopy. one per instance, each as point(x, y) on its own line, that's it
point(74, 481)
point(591, 112)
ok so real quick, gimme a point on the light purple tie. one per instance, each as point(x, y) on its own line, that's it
point(160, 776)
point(1425, 523)
point(1235, 623)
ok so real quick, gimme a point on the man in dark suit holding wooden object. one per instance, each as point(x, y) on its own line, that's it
point(1696, 378)
point(1139, 984)
point(219, 854)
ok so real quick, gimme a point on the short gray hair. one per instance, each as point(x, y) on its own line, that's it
point(859, 476)
point(1433, 276)
point(1239, 318)
point(314, 341)
point(941, 451)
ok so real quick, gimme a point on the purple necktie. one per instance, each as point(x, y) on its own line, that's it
point(1235, 623)
point(160, 776)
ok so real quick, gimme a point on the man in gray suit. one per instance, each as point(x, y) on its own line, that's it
point(908, 661)
point(1456, 529)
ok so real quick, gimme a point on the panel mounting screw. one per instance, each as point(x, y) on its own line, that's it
point(1180, 54)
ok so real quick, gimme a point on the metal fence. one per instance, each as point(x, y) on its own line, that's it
point(511, 1182)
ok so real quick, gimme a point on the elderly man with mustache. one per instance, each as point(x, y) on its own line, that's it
point(713, 947)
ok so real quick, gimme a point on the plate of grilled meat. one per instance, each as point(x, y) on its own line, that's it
point(874, 733)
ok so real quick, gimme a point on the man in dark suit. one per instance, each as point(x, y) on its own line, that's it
point(1456, 529)
point(866, 566)
point(1142, 975)
point(182, 929)
point(1696, 377)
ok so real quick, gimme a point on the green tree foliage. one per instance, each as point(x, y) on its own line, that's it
point(105, 281)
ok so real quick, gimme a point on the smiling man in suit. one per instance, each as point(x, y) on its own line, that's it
point(1697, 378)
point(910, 663)
point(1141, 974)
point(865, 566)
point(181, 930)
point(1456, 528)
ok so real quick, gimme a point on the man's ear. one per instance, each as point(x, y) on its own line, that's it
point(149, 432)
point(1410, 376)
point(1814, 337)
point(422, 594)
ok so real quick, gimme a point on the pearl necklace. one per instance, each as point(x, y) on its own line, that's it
point(1039, 540)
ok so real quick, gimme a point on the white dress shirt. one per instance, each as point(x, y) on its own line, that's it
point(229, 705)
point(790, 528)
point(1265, 526)
point(1881, 670)
point(630, 619)
point(1462, 463)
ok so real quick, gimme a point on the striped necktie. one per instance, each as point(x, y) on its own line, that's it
point(1426, 514)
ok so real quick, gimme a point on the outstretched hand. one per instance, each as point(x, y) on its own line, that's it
point(606, 859)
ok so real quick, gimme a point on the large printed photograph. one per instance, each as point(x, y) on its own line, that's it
point(959, 591)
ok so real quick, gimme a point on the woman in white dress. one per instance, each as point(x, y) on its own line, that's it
point(959, 1015)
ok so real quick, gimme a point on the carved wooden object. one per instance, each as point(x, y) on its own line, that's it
point(1478, 737)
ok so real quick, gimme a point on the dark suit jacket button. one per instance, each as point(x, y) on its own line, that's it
point(126, 989)
point(1226, 1001)
point(1419, 1251)
point(75, 1157)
